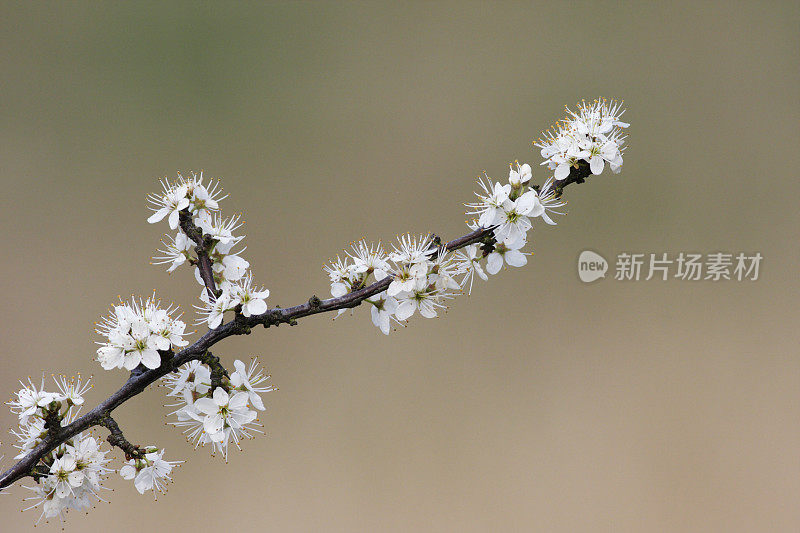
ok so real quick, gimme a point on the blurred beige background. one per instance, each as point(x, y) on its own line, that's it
point(538, 404)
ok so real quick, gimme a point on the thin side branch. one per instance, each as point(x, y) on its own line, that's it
point(117, 438)
point(240, 325)
point(576, 175)
point(202, 248)
point(218, 372)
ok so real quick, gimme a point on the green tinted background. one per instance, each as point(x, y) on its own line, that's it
point(537, 404)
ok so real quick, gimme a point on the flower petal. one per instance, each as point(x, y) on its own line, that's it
point(493, 263)
point(405, 310)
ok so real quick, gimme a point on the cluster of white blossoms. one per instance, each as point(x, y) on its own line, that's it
point(74, 478)
point(592, 133)
point(33, 405)
point(230, 271)
point(220, 415)
point(423, 276)
point(424, 273)
point(136, 332)
point(186, 193)
point(509, 208)
point(149, 471)
point(70, 476)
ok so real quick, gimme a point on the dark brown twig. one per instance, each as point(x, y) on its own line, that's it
point(117, 438)
point(203, 243)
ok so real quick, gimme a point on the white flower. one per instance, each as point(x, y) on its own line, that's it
point(422, 298)
point(470, 258)
point(44, 494)
point(512, 219)
point(111, 356)
point(511, 255)
point(135, 332)
point(176, 251)
point(406, 277)
point(144, 349)
point(74, 478)
point(204, 200)
point(30, 399)
point(566, 160)
point(519, 176)
point(383, 309)
point(30, 433)
point(66, 477)
point(150, 472)
point(598, 118)
point(342, 275)
point(171, 202)
point(412, 263)
point(412, 250)
point(491, 202)
point(194, 377)
point(509, 207)
point(591, 134)
point(369, 259)
point(221, 229)
point(214, 310)
point(232, 267)
point(156, 319)
point(90, 459)
point(72, 389)
point(226, 268)
point(546, 201)
point(249, 380)
point(442, 271)
point(599, 152)
point(252, 300)
point(223, 409)
point(171, 334)
point(218, 420)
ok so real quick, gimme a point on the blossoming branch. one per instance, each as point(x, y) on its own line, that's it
point(418, 274)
